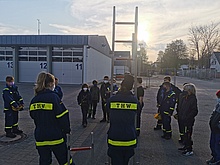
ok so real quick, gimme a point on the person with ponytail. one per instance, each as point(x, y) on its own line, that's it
point(51, 119)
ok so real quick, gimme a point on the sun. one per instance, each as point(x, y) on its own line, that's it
point(143, 34)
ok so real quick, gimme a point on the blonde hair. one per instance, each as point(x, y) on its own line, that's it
point(190, 88)
point(44, 81)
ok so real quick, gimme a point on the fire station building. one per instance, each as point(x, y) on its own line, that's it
point(74, 59)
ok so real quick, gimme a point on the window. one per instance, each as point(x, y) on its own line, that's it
point(67, 59)
point(67, 53)
point(32, 58)
point(2, 52)
point(9, 58)
point(42, 58)
point(9, 53)
point(77, 60)
point(23, 52)
point(23, 58)
point(57, 59)
point(2, 58)
point(57, 53)
point(78, 53)
point(32, 53)
point(43, 53)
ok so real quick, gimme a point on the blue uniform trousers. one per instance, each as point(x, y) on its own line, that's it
point(60, 152)
point(120, 156)
point(166, 120)
point(11, 119)
point(215, 145)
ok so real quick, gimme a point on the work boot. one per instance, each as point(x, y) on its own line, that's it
point(212, 160)
point(166, 137)
point(10, 135)
point(215, 163)
point(138, 132)
point(17, 131)
point(103, 120)
point(187, 153)
point(157, 127)
point(182, 148)
point(89, 116)
point(180, 140)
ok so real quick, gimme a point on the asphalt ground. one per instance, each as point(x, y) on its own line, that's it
point(151, 150)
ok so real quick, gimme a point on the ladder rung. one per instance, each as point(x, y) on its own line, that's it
point(124, 41)
point(125, 23)
point(123, 58)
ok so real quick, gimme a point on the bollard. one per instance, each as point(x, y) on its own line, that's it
point(68, 147)
point(83, 148)
point(92, 149)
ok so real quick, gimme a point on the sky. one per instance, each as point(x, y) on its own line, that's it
point(159, 21)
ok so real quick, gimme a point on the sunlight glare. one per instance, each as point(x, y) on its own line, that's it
point(143, 34)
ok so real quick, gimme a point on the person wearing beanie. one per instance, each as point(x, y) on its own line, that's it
point(214, 124)
point(122, 138)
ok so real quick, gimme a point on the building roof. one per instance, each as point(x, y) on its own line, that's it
point(99, 43)
point(23, 40)
point(217, 55)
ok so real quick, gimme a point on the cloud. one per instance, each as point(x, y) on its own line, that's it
point(11, 29)
point(163, 20)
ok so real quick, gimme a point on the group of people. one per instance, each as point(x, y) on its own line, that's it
point(121, 110)
point(51, 118)
point(167, 97)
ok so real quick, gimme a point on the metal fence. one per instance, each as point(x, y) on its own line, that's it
point(200, 73)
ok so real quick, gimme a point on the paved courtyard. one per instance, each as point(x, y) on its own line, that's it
point(151, 150)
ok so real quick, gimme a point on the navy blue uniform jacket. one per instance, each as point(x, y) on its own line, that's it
point(51, 118)
point(122, 131)
point(11, 97)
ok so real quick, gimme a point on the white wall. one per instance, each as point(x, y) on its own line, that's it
point(96, 65)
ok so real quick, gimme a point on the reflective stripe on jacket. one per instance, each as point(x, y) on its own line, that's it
point(51, 118)
point(122, 132)
point(11, 97)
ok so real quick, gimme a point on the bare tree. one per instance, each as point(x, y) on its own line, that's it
point(194, 38)
point(204, 39)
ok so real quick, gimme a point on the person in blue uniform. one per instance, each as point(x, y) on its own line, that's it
point(58, 89)
point(214, 124)
point(13, 102)
point(160, 97)
point(51, 119)
point(122, 138)
point(166, 110)
point(140, 96)
point(84, 100)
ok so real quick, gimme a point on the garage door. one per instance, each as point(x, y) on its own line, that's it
point(67, 65)
point(32, 60)
point(6, 62)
